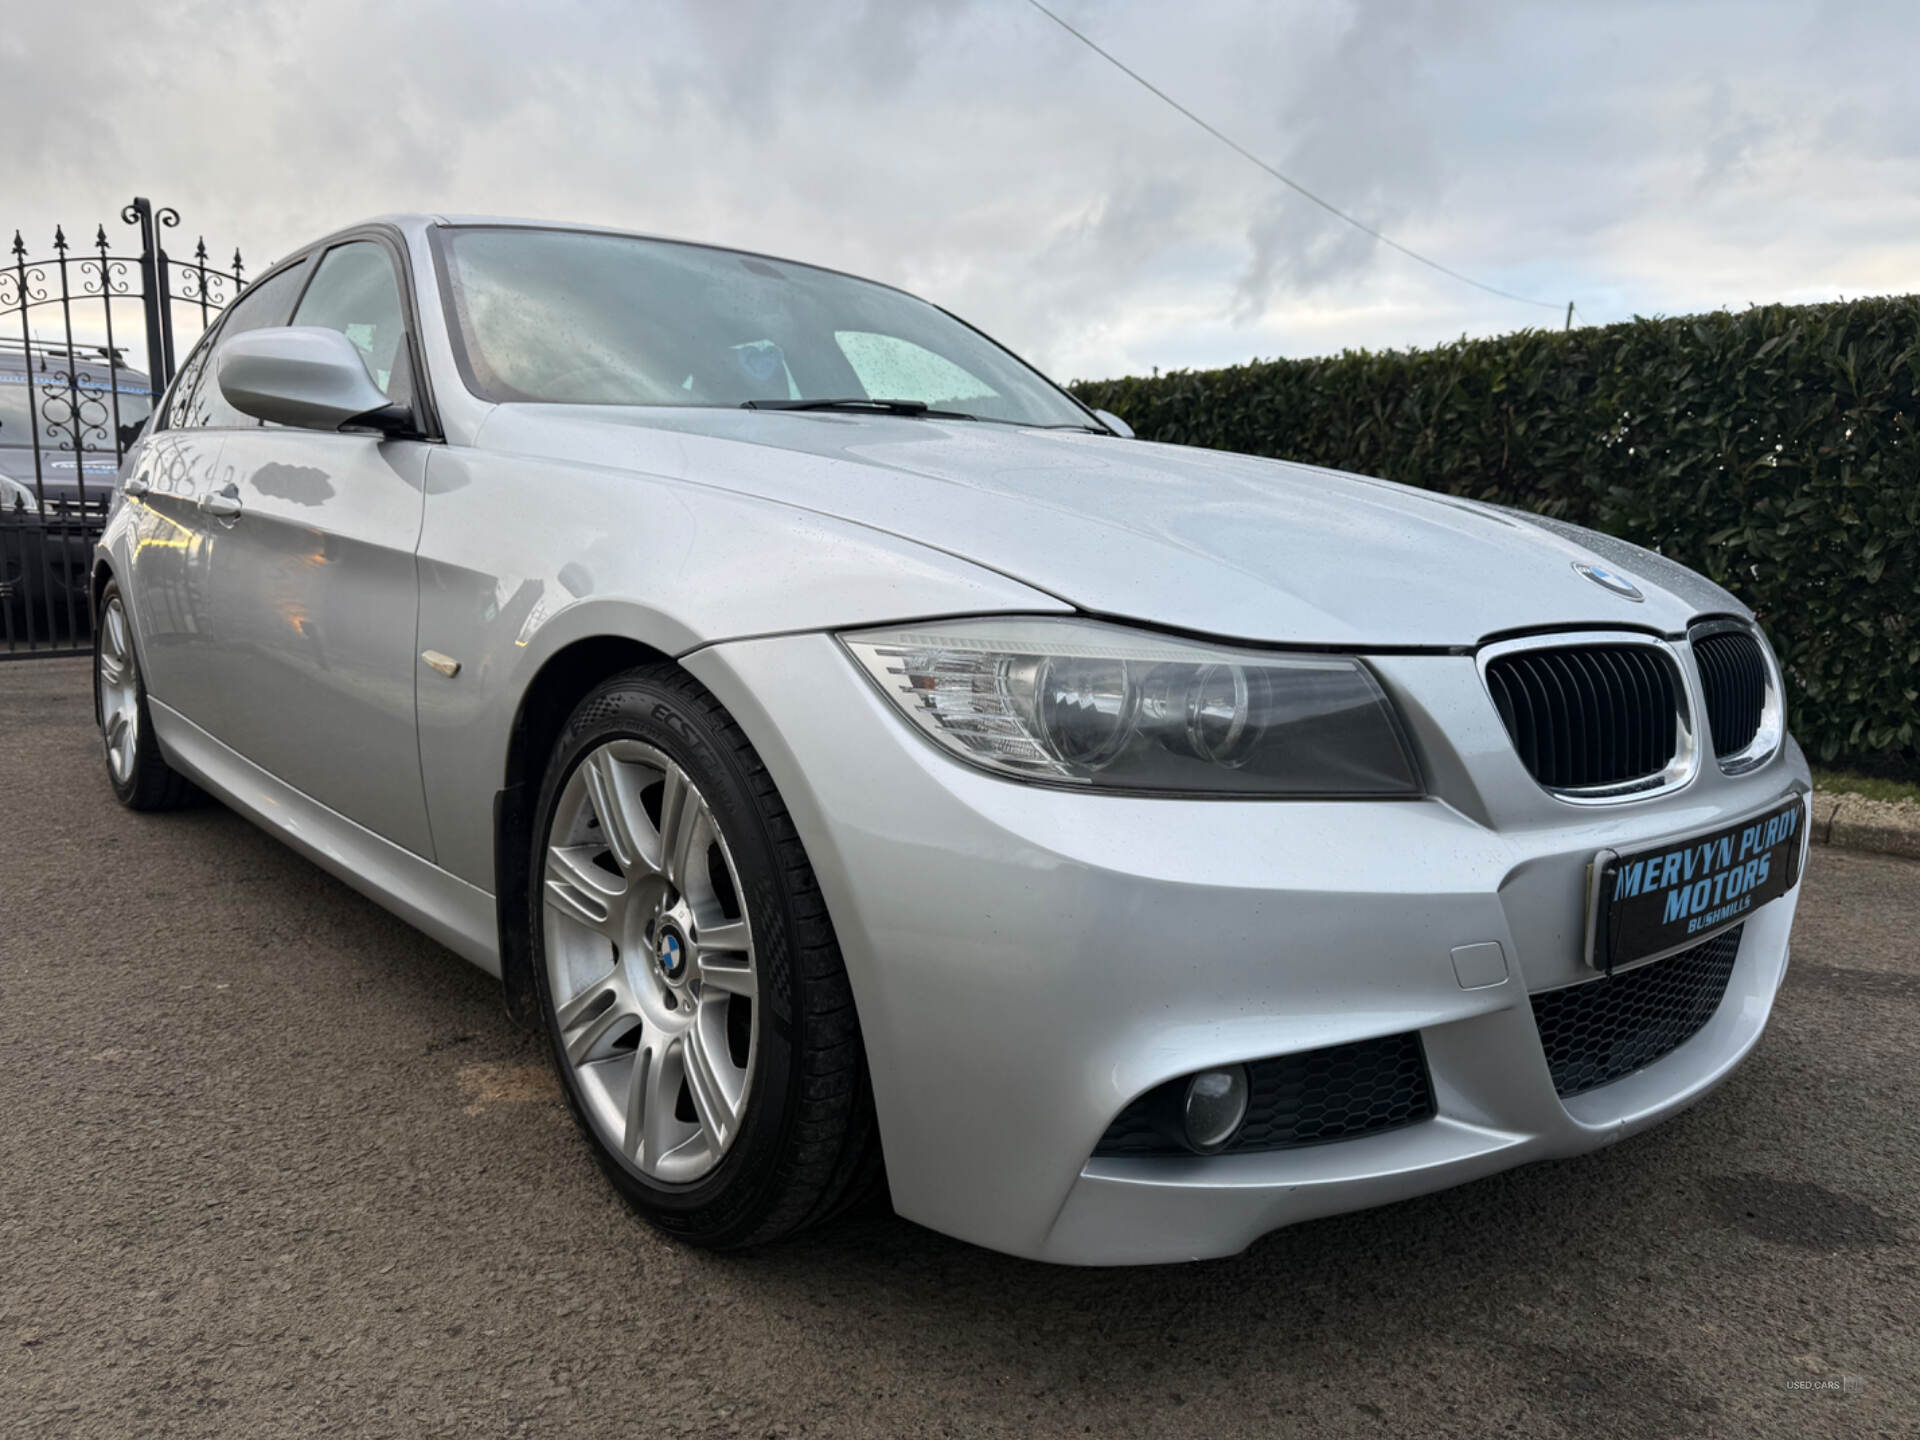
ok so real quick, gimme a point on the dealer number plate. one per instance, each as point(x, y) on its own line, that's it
point(1667, 897)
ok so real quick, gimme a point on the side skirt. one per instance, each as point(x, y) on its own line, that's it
point(458, 915)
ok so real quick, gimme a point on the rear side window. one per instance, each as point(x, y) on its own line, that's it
point(197, 402)
point(356, 292)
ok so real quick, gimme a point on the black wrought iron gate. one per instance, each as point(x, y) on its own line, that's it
point(87, 345)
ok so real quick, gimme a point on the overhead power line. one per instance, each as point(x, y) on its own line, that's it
point(1293, 185)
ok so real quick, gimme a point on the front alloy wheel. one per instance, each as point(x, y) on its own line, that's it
point(650, 961)
point(698, 1009)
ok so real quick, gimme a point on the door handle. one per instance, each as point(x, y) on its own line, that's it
point(223, 504)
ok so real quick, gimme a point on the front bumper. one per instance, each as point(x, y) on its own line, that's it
point(1026, 961)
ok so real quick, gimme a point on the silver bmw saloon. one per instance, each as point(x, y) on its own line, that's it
point(865, 764)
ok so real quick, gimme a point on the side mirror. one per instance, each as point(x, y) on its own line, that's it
point(1114, 423)
point(306, 376)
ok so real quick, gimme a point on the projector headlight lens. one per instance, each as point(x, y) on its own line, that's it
point(1085, 704)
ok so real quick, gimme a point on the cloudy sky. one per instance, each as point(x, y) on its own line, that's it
point(1634, 156)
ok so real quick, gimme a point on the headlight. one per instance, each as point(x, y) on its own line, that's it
point(1073, 702)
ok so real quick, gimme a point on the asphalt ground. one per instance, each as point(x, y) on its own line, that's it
point(274, 1164)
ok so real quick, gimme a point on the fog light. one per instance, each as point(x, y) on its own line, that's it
point(1213, 1107)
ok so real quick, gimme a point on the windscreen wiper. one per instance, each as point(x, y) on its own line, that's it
point(861, 402)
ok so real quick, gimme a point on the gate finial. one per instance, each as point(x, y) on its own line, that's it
point(59, 240)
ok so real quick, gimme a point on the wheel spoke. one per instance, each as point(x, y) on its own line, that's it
point(723, 935)
point(661, 1097)
point(116, 635)
point(587, 1031)
point(731, 973)
point(680, 815)
point(582, 1005)
point(609, 788)
point(116, 728)
point(579, 888)
point(645, 1068)
point(113, 647)
point(712, 1098)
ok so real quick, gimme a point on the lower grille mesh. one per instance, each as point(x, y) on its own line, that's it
point(1602, 1030)
point(1339, 1093)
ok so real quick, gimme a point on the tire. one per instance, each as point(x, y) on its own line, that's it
point(694, 998)
point(138, 772)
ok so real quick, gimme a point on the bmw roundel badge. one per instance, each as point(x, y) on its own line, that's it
point(672, 957)
point(1608, 580)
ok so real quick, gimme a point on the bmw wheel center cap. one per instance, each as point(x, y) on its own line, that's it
point(672, 955)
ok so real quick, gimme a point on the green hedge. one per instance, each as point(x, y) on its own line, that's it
point(1774, 450)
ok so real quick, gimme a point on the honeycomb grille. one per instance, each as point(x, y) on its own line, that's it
point(1601, 1030)
point(1339, 1093)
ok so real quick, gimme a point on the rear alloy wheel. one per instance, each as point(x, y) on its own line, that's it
point(141, 777)
point(699, 1013)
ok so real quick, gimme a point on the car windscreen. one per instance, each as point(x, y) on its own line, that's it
point(53, 405)
point(571, 317)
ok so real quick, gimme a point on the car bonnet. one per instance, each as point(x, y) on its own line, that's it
point(1198, 540)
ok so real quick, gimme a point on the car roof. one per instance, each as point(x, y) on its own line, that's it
point(89, 360)
point(417, 223)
